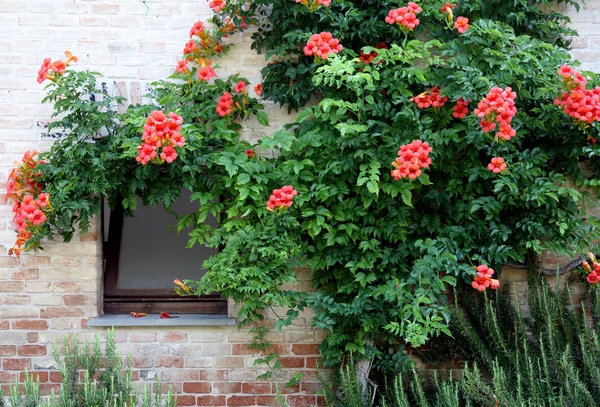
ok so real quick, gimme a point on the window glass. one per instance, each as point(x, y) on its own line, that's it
point(153, 254)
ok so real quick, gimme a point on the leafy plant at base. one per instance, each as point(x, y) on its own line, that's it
point(550, 358)
point(90, 377)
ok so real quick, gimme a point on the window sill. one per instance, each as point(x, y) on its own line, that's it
point(155, 320)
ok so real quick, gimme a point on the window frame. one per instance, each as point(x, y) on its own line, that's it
point(124, 301)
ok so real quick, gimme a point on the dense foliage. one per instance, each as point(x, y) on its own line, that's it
point(361, 23)
point(384, 250)
point(402, 190)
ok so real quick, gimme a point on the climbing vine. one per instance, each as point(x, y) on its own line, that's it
point(446, 139)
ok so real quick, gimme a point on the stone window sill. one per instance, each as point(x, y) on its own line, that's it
point(155, 321)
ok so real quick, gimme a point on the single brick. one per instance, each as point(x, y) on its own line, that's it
point(56, 377)
point(79, 299)
point(291, 362)
point(34, 261)
point(313, 363)
point(169, 361)
point(212, 401)
point(301, 401)
point(256, 388)
point(11, 286)
point(104, 8)
point(171, 337)
point(141, 362)
point(61, 312)
point(32, 350)
point(197, 387)
point(241, 400)
point(305, 349)
point(214, 375)
point(231, 362)
point(8, 350)
point(66, 287)
point(16, 364)
point(311, 388)
point(267, 401)
point(42, 376)
point(227, 387)
point(186, 400)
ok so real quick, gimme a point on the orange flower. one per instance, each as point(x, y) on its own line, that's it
point(183, 286)
point(70, 57)
point(258, 89)
point(461, 24)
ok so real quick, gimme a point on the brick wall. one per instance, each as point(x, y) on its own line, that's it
point(45, 296)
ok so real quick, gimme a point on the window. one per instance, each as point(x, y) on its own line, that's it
point(144, 254)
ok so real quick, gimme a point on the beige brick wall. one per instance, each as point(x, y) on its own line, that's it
point(42, 297)
point(586, 47)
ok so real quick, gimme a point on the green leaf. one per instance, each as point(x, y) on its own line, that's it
point(262, 118)
point(407, 197)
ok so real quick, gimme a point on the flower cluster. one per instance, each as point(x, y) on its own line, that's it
point(49, 70)
point(205, 73)
point(201, 46)
point(368, 58)
point(461, 108)
point(431, 98)
point(321, 45)
point(461, 24)
point(411, 158)
point(592, 273)
point(497, 165)
point(405, 17)
point(161, 135)
point(182, 66)
point(313, 5)
point(498, 107)
point(281, 198)
point(582, 104)
point(240, 87)
point(484, 279)
point(31, 205)
point(216, 5)
point(224, 105)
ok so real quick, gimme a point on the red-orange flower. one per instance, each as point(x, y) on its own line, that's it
point(461, 24)
point(484, 279)
point(497, 165)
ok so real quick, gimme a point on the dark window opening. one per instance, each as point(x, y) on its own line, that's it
point(144, 254)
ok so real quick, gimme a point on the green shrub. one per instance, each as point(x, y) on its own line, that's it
point(550, 358)
point(90, 378)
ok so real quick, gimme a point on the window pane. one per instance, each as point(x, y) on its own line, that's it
point(153, 254)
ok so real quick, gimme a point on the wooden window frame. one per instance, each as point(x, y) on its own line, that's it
point(124, 301)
